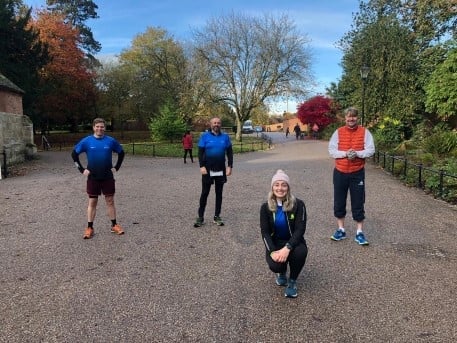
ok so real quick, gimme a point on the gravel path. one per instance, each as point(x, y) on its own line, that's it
point(164, 281)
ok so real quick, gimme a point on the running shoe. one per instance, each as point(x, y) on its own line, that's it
point(291, 289)
point(360, 239)
point(338, 235)
point(281, 279)
point(198, 222)
point(218, 221)
point(117, 230)
point(88, 233)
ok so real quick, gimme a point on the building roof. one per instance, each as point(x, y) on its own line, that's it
point(8, 85)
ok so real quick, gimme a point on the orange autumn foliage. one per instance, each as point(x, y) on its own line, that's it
point(68, 83)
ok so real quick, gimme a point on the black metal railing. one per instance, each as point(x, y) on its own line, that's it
point(163, 149)
point(441, 184)
point(157, 149)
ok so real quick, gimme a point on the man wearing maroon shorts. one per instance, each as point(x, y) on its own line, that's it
point(99, 149)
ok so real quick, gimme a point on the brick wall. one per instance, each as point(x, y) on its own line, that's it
point(10, 102)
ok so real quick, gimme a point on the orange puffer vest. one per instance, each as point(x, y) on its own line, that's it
point(350, 139)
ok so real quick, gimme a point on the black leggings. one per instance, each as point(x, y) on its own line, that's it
point(207, 181)
point(296, 261)
point(190, 154)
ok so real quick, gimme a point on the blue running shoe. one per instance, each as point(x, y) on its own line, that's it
point(338, 235)
point(291, 289)
point(281, 279)
point(360, 239)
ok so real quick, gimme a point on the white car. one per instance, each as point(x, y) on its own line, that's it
point(247, 127)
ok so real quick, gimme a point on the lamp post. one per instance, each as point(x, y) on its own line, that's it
point(364, 75)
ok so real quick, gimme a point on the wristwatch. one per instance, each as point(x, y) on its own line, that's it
point(288, 246)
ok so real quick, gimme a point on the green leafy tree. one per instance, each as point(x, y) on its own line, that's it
point(158, 67)
point(442, 89)
point(260, 115)
point(252, 59)
point(22, 54)
point(430, 21)
point(115, 83)
point(340, 94)
point(78, 12)
point(380, 41)
point(402, 42)
point(167, 125)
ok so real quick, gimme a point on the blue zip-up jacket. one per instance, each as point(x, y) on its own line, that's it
point(296, 221)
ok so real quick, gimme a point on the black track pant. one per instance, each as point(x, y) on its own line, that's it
point(355, 183)
point(296, 261)
point(190, 154)
point(207, 181)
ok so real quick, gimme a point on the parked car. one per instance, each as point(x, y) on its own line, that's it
point(258, 128)
point(247, 127)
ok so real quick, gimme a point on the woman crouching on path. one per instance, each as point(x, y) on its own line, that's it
point(283, 225)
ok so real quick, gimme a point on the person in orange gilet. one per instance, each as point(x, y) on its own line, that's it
point(350, 145)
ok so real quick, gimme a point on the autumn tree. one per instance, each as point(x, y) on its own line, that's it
point(69, 92)
point(252, 59)
point(317, 110)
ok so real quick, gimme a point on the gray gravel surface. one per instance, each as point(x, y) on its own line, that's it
point(165, 281)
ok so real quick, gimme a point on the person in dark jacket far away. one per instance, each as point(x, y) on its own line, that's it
point(297, 131)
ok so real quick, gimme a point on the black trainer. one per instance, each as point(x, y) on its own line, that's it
point(218, 221)
point(199, 222)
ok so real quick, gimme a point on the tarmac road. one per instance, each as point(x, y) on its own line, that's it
point(164, 281)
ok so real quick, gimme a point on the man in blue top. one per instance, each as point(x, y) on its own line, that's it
point(99, 171)
point(212, 148)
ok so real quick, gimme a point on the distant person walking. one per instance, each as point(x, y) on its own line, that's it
point(283, 225)
point(297, 131)
point(315, 131)
point(350, 145)
point(187, 145)
point(213, 146)
point(99, 171)
point(287, 132)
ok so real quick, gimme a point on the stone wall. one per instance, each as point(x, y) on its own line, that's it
point(16, 137)
point(16, 129)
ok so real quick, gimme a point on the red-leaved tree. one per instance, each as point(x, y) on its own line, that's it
point(318, 110)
